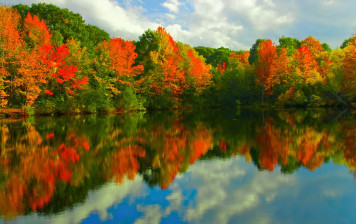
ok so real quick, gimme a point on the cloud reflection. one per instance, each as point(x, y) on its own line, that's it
point(97, 202)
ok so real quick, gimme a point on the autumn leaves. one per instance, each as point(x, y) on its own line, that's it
point(35, 64)
point(304, 75)
point(52, 69)
point(30, 63)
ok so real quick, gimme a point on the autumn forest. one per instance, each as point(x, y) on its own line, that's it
point(52, 62)
point(210, 130)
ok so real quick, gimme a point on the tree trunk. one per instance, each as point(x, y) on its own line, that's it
point(262, 94)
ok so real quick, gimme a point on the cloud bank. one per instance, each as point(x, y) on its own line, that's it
point(231, 23)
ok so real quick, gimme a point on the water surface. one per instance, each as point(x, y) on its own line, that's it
point(180, 167)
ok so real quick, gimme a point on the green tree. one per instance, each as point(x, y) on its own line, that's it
point(253, 59)
point(291, 44)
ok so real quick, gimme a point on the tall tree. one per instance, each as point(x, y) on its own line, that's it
point(265, 71)
point(320, 54)
point(32, 73)
point(349, 63)
point(10, 45)
point(119, 56)
point(165, 78)
point(196, 72)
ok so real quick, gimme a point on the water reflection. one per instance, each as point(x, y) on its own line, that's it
point(48, 165)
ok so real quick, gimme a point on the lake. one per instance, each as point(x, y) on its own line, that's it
point(209, 166)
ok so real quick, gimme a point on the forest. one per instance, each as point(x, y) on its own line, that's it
point(52, 62)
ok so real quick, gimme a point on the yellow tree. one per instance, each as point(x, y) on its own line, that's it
point(239, 61)
point(306, 66)
point(165, 78)
point(349, 64)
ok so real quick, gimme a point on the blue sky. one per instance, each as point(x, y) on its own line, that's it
point(230, 23)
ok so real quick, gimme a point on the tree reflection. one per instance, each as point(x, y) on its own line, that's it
point(46, 166)
point(290, 143)
point(172, 150)
point(31, 168)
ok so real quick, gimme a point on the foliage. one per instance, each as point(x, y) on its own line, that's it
point(291, 44)
point(52, 62)
point(65, 23)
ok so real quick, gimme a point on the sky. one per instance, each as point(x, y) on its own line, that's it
point(235, 24)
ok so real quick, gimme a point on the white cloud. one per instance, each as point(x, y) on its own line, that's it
point(170, 16)
point(262, 15)
point(172, 5)
point(221, 199)
point(207, 26)
point(98, 201)
point(235, 24)
point(153, 214)
point(222, 23)
point(128, 23)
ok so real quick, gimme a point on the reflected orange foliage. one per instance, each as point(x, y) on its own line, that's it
point(176, 148)
point(309, 145)
point(201, 143)
point(125, 162)
point(274, 146)
point(32, 180)
point(350, 146)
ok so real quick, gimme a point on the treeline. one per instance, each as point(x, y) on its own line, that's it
point(52, 62)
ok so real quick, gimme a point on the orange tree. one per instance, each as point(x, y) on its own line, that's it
point(117, 71)
point(10, 45)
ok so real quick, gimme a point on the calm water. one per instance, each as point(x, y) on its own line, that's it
point(170, 167)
